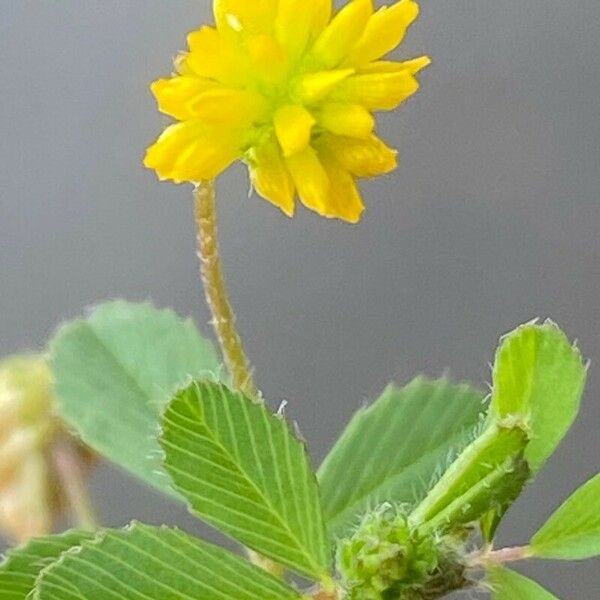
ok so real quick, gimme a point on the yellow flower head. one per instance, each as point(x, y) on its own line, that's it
point(288, 87)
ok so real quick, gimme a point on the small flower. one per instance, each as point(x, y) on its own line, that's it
point(26, 429)
point(288, 87)
point(385, 558)
point(31, 498)
point(388, 558)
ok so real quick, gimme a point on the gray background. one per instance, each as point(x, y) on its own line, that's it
point(491, 220)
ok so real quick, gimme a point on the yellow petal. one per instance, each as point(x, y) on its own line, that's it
point(296, 23)
point(379, 91)
point(293, 126)
point(387, 66)
point(206, 159)
point(311, 179)
point(248, 16)
point(384, 31)
point(362, 158)
point(14, 449)
point(181, 65)
point(26, 505)
point(215, 56)
point(174, 140)
point(271, 178)
point(267, 56)
point(344, 201)
point(323, 11)
point(339, 38)
point(229, 107)
point(176, 95)
point(189, 152)
point(352, 120)
point(416, 64)
point(315, 86)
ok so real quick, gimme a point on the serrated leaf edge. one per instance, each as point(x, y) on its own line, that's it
point(322, 575)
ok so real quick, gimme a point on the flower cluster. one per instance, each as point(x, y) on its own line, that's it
point(289, 87)
point(386, 558)
point(26, 428)
point(32, 494)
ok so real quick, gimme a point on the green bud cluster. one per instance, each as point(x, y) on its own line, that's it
point(388, 559)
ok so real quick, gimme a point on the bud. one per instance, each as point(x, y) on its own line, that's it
point(388, 559)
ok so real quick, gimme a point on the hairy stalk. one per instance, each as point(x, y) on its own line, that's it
point(504, 555)
point(223, 316)
point(71, 473)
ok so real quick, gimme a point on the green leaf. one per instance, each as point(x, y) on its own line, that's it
point(116, 370)
point(21, 566)
point(244, 472)
point(539, 374)
point(490, 522)
point(573, 531)
point(509, 585)
point(487, 473)
point(149, 563)
point(395, 449)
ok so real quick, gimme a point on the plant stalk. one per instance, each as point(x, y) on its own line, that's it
point(71, 474)
point(223, 316)
point(215, 290)
point(504, 555)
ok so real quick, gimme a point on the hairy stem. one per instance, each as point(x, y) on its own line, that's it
point(504, 555)
point(223, 316)
point(71, 473)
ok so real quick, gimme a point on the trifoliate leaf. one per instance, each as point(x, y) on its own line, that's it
point(21, 566)
point(487, 473)
point(509, 585)
point(395, 449)
point(244, 472)
point(540, 375)
point(573, 531)
point(116, 370)
point(149, 563)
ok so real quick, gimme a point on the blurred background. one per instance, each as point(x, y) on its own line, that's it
point(492, 219)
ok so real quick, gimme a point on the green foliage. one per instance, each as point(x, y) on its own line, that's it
point(573, 531)
point(148, 563)
point(116, 370)
point(22, 566)
point(509, 585)
point(244, 472)
point(488, 472)
point(393, 450)
point(490, 522)
point(540, 375)
point(420, 466)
